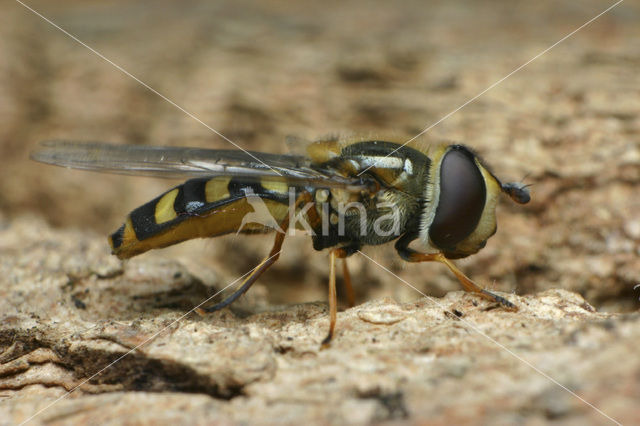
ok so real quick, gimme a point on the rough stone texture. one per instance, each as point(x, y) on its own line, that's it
point(70, 311)
point(569, 122)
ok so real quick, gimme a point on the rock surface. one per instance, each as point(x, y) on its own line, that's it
point(121, 335)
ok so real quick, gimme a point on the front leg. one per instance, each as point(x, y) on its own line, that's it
point(410, 255)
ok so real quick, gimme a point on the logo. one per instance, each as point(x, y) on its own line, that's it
point(384, 220)
point(260, 214)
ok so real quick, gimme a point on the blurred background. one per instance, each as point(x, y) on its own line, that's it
point(568, 123)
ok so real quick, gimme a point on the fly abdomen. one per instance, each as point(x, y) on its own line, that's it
point(199, 208)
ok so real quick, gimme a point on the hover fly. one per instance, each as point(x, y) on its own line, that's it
point(443, 199)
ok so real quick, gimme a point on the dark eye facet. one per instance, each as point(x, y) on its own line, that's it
point(462, 198)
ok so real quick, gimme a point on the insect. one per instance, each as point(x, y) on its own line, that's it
point(349, 194)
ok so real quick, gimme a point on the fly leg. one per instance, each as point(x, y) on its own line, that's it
point(466, 282)
point(411, 255)
point(340, 253)
point(351, 295)
point(262, 266)
point(253, 276)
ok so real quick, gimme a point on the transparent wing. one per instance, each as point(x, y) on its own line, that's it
point(182, 162)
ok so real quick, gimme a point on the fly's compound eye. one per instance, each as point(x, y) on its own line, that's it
point(461, 200)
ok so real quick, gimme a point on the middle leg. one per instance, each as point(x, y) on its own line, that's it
point(351, 295)
point(338, 253)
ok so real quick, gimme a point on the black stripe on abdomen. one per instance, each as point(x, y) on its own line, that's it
point(191, 196)
point(143, 220)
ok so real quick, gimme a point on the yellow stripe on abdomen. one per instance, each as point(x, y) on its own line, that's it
point(164, 208)
point(278, 186)
point(217, 189)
